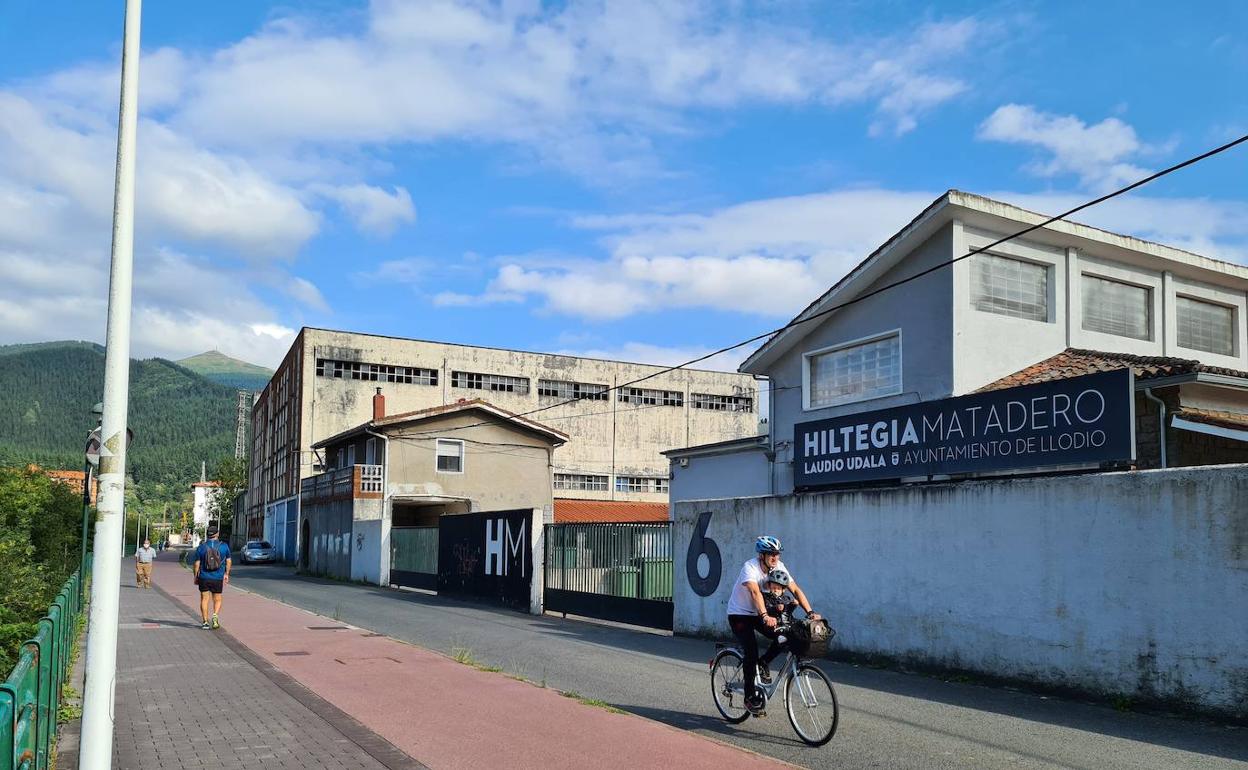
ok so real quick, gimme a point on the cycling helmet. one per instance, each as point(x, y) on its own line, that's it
point(778, 575)
point(768, 544)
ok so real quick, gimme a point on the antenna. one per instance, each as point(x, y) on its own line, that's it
point(240, 430)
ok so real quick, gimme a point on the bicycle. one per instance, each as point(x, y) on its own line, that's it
point(809, 698)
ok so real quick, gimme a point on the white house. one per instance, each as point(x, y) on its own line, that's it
point(1064, 293)
point(205, 492)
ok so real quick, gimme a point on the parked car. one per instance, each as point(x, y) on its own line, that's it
point(258, 552)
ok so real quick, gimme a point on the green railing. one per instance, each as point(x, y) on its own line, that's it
point(31, 696)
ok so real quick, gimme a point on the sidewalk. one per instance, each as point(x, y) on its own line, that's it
point(186, 698)
point(290, 686)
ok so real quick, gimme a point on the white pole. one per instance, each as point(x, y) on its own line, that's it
point(95, 752)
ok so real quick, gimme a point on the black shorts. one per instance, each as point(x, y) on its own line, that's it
point(207, 585)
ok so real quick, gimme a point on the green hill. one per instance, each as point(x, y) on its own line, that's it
point(179, 418)
point(219, 367)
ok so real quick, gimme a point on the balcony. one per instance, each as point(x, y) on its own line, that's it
point(354, 481)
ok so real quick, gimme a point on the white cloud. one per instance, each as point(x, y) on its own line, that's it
point(306, 293)
point(772, 257)
point(374, 211)
point(572, 83)
point(1099, 154)
point(768, 257)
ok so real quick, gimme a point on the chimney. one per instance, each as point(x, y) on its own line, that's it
point(379, 405)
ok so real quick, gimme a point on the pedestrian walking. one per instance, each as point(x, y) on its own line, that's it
point(143, 565)
point(212, 573)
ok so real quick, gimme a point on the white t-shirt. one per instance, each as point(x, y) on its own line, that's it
point(742, 602)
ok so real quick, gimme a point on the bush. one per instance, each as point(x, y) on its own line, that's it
point(40, 535)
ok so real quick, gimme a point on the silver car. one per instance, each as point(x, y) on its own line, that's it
point(258, 552)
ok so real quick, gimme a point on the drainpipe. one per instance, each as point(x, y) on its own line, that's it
point(1161, 405)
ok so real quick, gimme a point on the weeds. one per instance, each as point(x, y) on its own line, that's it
point(595, 702)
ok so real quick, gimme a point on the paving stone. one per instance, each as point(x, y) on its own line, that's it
point(186, 701)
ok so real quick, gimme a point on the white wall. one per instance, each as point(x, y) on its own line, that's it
point(1130, 584)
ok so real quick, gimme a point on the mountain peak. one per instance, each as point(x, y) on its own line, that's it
point(221, 368)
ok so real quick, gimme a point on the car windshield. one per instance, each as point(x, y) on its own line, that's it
point(265, 544)
point(258, 544)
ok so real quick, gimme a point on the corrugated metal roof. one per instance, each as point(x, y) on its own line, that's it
point(580, 511)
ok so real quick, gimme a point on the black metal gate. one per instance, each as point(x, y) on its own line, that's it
point(620, 572)
point(487, 555)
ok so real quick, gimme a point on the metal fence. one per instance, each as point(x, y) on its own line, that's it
point(31, 695)
point(611, 571)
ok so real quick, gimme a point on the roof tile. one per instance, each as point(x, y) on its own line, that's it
point(569, 511)
point(1073, 362)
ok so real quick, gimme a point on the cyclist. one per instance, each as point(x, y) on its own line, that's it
point(747, 612)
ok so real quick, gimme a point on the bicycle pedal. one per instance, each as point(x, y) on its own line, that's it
point(758, 714)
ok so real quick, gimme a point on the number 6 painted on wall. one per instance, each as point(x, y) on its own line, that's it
point(701, 544)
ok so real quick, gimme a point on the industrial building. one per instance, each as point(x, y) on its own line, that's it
point(616, 432)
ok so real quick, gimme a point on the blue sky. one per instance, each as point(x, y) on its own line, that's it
point(638, 180)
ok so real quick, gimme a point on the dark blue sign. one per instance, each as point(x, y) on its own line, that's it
point(1076, 421)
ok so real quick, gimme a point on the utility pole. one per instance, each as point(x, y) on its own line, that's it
point(95, 752)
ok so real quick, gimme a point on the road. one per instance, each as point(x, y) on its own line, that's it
point(888, 719)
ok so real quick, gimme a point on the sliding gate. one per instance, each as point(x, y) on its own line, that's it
point(620, 572)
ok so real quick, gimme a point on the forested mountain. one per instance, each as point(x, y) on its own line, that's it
point(219, 367)
point(179, 418)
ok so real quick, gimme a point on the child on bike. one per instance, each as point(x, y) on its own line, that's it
point(780, 605)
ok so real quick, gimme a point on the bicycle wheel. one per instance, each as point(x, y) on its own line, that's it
point(811, 703)
point(728, 686)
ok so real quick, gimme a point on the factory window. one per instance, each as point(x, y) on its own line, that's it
point(640, 484)
point(1117, 308)
point(1010, 287)
point(572, 390)
point(496, 382)
point(582, 481)
point(648, 397)
point(1206, 326)
point(721, 403)
point(359, 370)
point(853, 372)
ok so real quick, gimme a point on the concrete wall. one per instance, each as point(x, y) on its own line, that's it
point(921, 312)
point(1132, 584)
point(607, 437)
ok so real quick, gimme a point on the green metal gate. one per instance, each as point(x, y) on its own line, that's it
point(414, 557)
point(620, 572)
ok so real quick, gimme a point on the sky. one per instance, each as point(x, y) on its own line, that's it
point(638, 180)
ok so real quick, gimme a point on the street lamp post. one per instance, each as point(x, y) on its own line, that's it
point(95, 748)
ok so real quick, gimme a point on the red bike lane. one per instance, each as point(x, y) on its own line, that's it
point(444, 713)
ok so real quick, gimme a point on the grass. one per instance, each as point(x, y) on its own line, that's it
point(595, 702)
point(464, 655)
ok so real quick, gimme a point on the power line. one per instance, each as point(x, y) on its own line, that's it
point(900, 282)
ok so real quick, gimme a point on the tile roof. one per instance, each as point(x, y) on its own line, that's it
point(1073, 362)
point(582, 511)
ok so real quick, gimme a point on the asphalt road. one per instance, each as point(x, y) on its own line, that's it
point(888, 719)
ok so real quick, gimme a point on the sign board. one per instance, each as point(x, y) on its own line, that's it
point(1080, 420)
point(488, 555)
